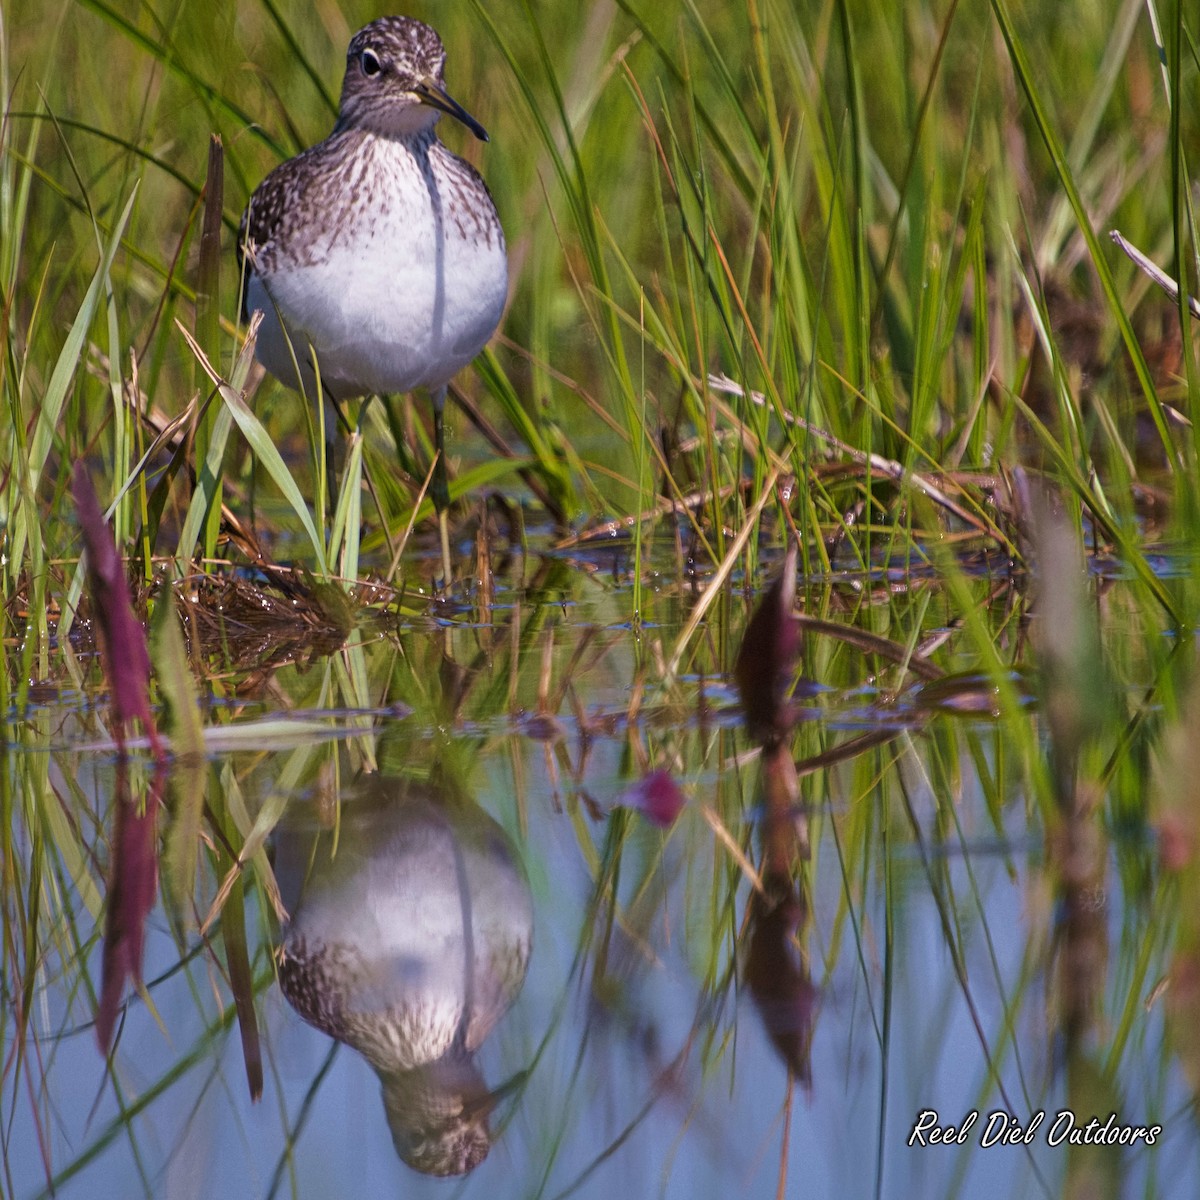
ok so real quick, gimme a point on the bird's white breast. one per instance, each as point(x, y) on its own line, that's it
point(395, 286)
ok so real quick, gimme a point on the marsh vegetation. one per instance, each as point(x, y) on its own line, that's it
point(807, 736)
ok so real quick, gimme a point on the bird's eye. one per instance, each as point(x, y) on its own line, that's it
point(369, 61)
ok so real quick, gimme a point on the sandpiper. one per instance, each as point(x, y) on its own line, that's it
point(377, 254)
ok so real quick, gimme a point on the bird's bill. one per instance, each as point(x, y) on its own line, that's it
point(432, 93)
point(484, 1104)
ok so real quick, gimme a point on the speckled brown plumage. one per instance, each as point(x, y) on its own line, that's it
point(303, 207)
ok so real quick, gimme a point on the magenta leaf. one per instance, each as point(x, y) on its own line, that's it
point(122, 640)
point(777, 974)
point(656, 796)
point(767, 659)
point(132, 886)
point(133, 872)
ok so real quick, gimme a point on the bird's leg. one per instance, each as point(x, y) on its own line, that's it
point(439, 487)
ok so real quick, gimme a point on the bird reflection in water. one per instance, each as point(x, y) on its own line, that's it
point(408, 939)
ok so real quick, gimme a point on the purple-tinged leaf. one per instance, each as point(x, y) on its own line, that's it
point(132, 886)
point(656, 796)
point(767, 659)
point(777, 974)
point(123, 652)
